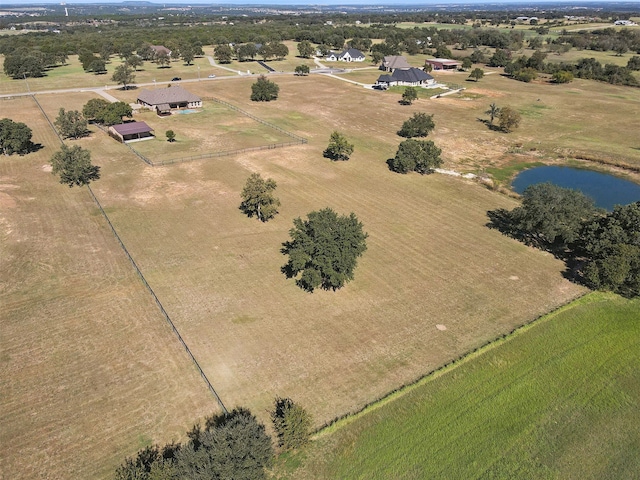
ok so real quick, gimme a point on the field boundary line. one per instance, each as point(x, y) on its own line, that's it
point(142, 278)
point(462, 359)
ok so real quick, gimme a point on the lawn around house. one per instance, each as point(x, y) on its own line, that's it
point(558, 399)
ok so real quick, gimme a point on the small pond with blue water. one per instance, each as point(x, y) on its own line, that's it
point(606, 190)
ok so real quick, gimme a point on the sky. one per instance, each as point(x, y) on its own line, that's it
point(425, 3)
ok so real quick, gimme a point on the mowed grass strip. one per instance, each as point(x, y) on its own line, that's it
point(557, 400)
point(89, 370)
point(430, 259)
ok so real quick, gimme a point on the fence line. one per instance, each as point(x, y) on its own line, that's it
point(141, 276)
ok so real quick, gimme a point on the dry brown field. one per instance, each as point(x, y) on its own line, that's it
point(72, 300)
point(89, 369)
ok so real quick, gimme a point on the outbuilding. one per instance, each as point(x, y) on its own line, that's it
point(126, 132)
point(443, 64)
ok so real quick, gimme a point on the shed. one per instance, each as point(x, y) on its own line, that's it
point(443, 64)
point(126, 132)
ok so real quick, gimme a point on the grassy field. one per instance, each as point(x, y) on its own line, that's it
point(431, 262)
point(557, 400)
point(89, 369)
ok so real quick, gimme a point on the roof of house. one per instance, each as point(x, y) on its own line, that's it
point(385, 79)
point(353, 53)
point(411, 75)
point(132, 128)
point(443, 61)
point(175, 94)
point(160, 49)
point(395, 61)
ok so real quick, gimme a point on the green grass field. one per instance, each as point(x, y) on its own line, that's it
point(557, 400)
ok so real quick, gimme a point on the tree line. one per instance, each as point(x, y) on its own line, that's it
point(231, 445)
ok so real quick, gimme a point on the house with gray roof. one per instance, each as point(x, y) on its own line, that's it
point(411, 77)
point(164, 100)
point(394, 62)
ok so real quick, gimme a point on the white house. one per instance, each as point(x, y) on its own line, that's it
point(348, 55)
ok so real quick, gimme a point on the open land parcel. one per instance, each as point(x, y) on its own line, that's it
point(431, 261)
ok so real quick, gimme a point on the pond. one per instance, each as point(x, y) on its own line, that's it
point(606, 190)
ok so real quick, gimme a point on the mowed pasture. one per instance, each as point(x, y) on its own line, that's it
point(556, 400)
point(89, 369)
point(430, 261)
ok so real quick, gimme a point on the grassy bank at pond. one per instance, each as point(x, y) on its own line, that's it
point(558, 399)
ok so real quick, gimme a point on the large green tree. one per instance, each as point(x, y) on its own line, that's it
point(264, 90)
point(421, 156)
point(105, 113)
point(93, 109)
point(15, 137)
point(419, 125)
point(223, 53)
point(305, 49)
point(71, 124)
point(339, 147)
point(550, 217)
point(611, 246)
point(258, 198)
point(476, 74)
point(123, 75)
point(324, 250)
point(291, 422)
point(74, 167)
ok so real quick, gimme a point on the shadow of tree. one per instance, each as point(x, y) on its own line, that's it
point(491, 126)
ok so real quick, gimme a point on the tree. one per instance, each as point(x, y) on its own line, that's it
point(246, 51)
point(409, 95)
point(302, 70)
point(634, 63)
point(476, 74)
point(134, 61)
point(562, 76)
point(339, 148)
point(232, 445)
point(324, 249)
point(493, 112)
point(22, 63)
point(419, 125)
point(421, 156)
point(305, 49)
point(97, 66)
point(264, 90)
point(171, 136)
point(74, 166)
point(611, 246)
point(71, 124)
point(291, 423)
point(550, 217)
point(15, 137)
point(93, 109)
point(279, 50)
point(467, 63)
point(377, 57)
point(223, 53)
point(123, 75)
point(258, 199)
point(187, 52)
point(509, 119)
point(162, 59)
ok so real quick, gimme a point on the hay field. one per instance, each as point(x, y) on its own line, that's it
point(558, 400)
point(89, 370)
point(255, 333)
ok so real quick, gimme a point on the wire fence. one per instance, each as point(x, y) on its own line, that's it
point(141, 276)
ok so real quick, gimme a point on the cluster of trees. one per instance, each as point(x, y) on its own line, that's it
point(413, 155)
point(224, 52)
point(71, 124)
point(15, 137)
point(103, 112)
point(231, 445)
point(26, 63)
point(602, 249)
